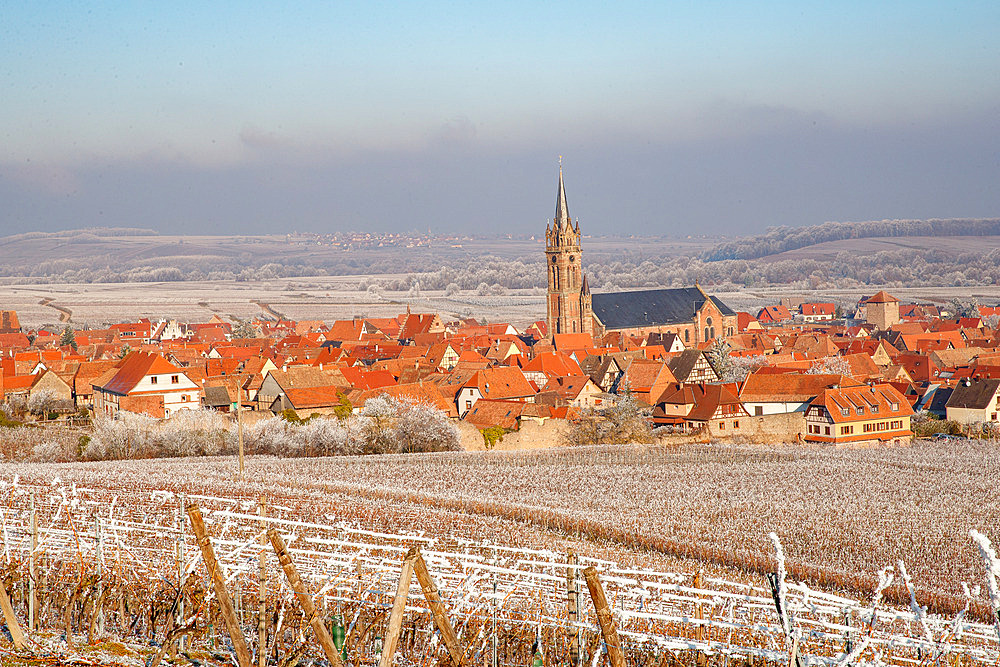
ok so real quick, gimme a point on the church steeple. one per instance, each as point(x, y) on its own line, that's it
point(562, 218)
point(569, 303)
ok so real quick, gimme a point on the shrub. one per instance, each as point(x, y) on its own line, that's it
point(491, 436)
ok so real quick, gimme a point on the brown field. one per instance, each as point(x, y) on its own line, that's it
point(99, 250)
point(338, 297)
point(309, 298)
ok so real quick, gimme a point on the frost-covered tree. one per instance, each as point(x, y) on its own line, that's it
point(627, 419)
point(41, 402)
point(424, 428)
point(718, 357)
point(830, 366)
point(123, 438)
point(381, 412)
point(741, 367)
point(245, 329)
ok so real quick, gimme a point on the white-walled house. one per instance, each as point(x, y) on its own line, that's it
point(145, 383)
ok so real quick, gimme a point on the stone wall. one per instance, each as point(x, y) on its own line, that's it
point(789, 427)
point(531, 435)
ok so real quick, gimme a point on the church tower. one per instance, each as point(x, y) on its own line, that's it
point(568, 302)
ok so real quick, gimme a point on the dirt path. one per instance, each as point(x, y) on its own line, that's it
point(65, 314)
point(269, 310)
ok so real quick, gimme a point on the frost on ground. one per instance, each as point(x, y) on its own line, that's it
point(851, 511)
point(348, 521)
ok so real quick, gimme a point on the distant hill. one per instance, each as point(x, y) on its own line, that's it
point(783, 239)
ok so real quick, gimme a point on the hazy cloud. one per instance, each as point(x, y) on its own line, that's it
point(761, 166)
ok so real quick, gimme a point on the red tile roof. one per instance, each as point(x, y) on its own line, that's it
point(136, 366)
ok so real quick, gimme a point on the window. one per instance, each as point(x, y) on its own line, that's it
point(844, 412)
point(153, 379)
point(468, 405)
point(874, 409)
point(687, 335)
point(722, 426)
point(758, 410)
point(184, 398)
point(736, 423)
point(860, 410)
point(895, 406)
point(827, 429)
point(174, 379)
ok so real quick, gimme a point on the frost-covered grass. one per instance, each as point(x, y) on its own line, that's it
point(847, 512)
point(906, 511)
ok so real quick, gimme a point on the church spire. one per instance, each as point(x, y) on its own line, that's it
point(562, 218)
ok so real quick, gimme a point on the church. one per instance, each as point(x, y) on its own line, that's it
point(690, 313)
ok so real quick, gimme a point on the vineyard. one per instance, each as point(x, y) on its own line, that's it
point(103, 565)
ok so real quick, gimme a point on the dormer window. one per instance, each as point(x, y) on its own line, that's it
point(895, 407)
point(860, 410)
point(874, 409)
point(844, 412)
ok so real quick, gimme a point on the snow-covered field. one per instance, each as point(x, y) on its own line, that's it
point(638, 513)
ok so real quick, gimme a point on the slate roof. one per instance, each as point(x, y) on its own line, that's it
point(645, 308)
point(977, 395)
point(217, 396)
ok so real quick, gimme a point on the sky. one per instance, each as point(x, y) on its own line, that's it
point(672, 118)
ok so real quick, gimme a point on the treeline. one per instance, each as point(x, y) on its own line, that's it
point(896, 268)
point(906, 267)
point(87, 232)
point(783, 239)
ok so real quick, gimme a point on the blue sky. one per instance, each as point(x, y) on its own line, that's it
point(315, 116)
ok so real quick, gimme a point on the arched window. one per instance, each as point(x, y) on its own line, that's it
point(687, 335)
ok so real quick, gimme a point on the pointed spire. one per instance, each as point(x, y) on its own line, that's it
point(585, 289)
point(562, 208)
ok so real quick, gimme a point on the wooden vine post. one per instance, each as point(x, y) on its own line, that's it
point(262, 592)
point(437, 607)
point(32, 570)
point(699, 614)
point(11, 619)
point(605, 619)
point(396, 616)
point(98, 611)
point(573, 605)
point(305, 599)
point(219, 584)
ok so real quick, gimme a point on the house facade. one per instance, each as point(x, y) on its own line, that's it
point(853, 414)
point(148, 384)
point(974, 402)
